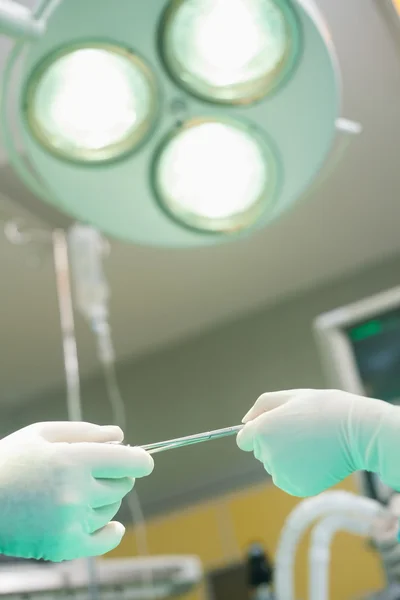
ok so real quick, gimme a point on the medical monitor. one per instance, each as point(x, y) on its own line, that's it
point(360, 346)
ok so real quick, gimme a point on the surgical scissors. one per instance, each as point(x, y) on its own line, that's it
point(189, 440)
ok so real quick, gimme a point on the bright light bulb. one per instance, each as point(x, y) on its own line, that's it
point(215, 176)
point(92, 103)
point(228, 50)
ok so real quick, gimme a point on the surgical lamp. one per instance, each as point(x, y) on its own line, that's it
point(179, 123)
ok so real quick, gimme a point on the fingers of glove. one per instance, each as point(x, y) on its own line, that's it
point(105, 539)
point(255, 435)
point(109, 491)
point(245, 438)
point(75, 432)
point(268, 402)
point(109, 461)
point(100, 517)
point(248, 436)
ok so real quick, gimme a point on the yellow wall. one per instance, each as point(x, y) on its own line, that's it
point(256, 514)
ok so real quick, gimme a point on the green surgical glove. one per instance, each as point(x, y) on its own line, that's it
point(310, 440)
point(61, 484)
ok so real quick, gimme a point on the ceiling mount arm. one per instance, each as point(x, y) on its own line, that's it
point(17, 21)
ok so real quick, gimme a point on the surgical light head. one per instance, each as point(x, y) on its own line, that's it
point(230, 51)
point(215, 175)
point(91, 103)
point(258, 86)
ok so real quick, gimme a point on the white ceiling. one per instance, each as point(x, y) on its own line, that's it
point(160, 296)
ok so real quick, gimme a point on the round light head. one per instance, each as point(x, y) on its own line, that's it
point(215, 175)
point(91, 103)
point(230, 51)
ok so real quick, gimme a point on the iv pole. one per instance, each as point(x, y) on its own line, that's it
point(71, 365)
point(63, 282)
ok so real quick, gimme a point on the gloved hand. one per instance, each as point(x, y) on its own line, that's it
point(310, 440)
point(60, 486)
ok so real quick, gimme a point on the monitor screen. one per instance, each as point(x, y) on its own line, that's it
point(376, 347)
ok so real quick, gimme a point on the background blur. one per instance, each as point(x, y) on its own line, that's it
point(200, 334)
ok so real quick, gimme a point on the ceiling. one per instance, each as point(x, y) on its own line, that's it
point(350, 220)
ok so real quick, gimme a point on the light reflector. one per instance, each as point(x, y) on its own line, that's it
point(91, 103)
point(215, 175)
point(233, 51)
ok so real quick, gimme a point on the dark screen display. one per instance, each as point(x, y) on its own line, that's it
point(376, 347)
